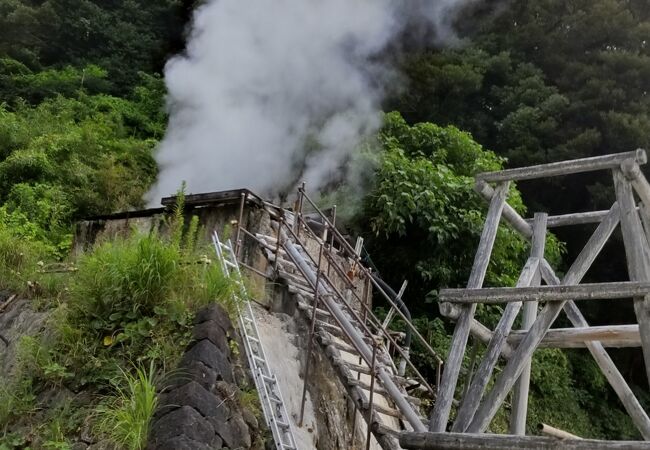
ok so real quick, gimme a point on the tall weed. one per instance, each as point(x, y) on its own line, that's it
point(125, 416)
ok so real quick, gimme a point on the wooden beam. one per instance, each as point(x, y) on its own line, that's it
point(477, 329)
point(479, 381)
point(520, 395)
point(440, 413)
point(636, 250)
point(509, 214)
point(564, 167)
point(463, 441)
point(604, 361)
point(628, 335)
point(632, 172)
point(587, 291)
point(555, 432)
point(549, 313)
point(580, 218)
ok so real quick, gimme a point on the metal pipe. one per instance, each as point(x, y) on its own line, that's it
point(350, 250)
point(372, 393)
point(374, 321)
point(361, 345)
point(311, 339)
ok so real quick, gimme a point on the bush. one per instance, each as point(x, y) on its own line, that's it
point(18, 260)
point(122, 281)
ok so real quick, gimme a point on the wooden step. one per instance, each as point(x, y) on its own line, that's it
point(381, 391)
point(309, 309)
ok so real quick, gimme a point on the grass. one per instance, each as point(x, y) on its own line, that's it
point(129, 304)
point(18, 258)
point(125, 417)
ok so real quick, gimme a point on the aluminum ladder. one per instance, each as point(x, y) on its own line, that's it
point(266, 383)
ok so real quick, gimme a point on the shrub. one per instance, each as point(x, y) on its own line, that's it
point(122, 281)
point(18, 258)
point(125, 416)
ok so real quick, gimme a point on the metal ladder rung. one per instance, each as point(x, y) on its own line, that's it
point(268, 379)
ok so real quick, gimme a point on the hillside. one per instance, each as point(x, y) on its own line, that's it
point(85, 129)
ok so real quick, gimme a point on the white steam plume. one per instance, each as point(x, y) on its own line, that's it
point(272, 92)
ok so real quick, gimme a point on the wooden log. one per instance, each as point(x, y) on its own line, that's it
point(520, 394)
point(636, 250)
point(644, 213)
point(587, 291)
point(549, 313)
point(463, 441)
point(511, 216)
point(604, 361)
point(480, 379)
point(621, 335)
point(564, 167)
point(632, 172)
point(477, 329)
point(440, 413)
point(581, 218)
point(555, 432)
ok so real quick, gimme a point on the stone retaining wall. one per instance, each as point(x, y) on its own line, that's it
point(200, 408)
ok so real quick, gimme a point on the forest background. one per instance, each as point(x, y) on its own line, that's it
point(82, 108)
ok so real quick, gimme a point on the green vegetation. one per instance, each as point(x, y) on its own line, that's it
point(81, 111)
point(126, 415)
point(125, 320)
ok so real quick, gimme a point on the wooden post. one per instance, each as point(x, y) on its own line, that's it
point(440, 413)
point(636, 250)
point(524, 351)
point(604, 361)
point(520, 394)
point(484, 372)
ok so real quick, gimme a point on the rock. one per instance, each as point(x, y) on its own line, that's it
point(216, 314)
point(234, 432)
point(194, 395)
point(214, 334)
point(207, 353)
point(184, 420)
point(183, 443)
point(194, 371)
point(79, 446)
point(250, 419)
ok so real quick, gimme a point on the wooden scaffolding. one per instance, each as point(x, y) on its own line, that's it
point(541, 305)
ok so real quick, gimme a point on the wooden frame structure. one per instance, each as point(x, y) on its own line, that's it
point(541, 305)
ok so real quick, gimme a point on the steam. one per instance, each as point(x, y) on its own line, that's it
point(273, 92)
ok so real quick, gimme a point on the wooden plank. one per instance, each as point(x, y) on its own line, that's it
point(564, 167)
point(440, 413)
point(219, 197)
point(563, 337)
point(462, 441)
point(549, 313)
point(636, 250)
point(484, 371)
point(520, 394)
point(587, 291)
point(604, 361)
